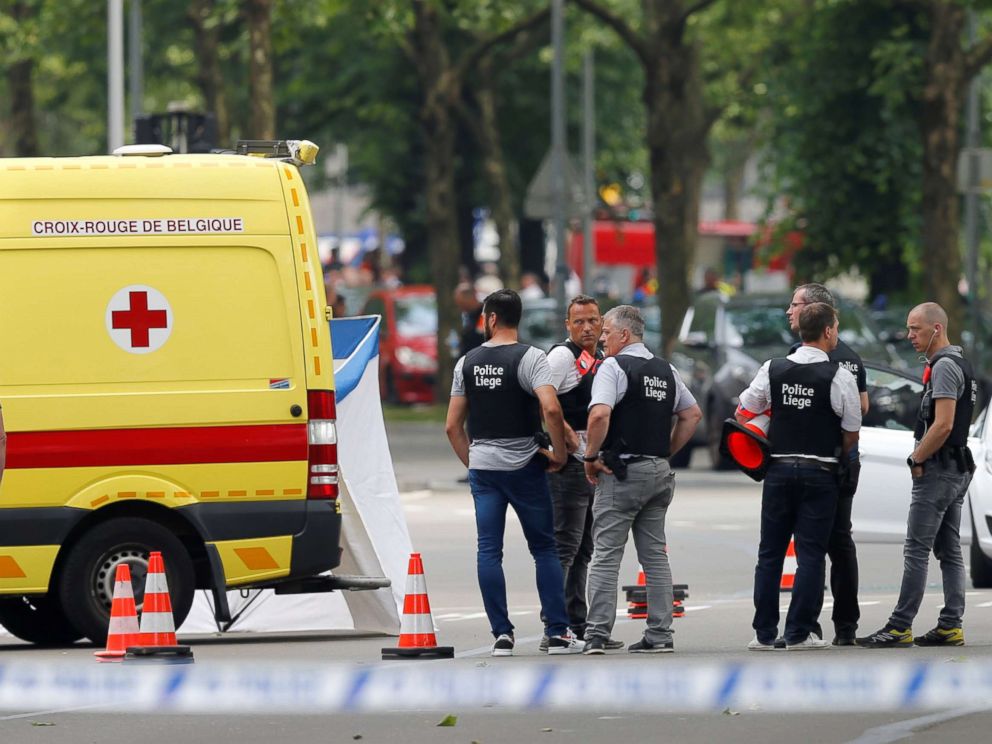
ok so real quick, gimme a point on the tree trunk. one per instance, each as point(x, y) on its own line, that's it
point(939, 123)
point(494, 164)
point(263, 111)
point(439, 132)
point(210, 78)
point(677, 129)
point(20, 88)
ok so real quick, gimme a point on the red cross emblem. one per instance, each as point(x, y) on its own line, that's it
point(139, 319)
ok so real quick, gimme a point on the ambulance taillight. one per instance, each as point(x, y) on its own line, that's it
point(322, 438)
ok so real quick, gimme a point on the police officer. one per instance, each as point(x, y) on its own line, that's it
point(573, 366)
point(502, 389)
point(815, 420)
point(941, 466)
point(841, 549)
point(630, 438)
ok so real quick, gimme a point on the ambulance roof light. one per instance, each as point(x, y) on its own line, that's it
point(152, 151)
point(299, 152)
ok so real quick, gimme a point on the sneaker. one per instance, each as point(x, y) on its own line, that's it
point(543, 645)
point(612, 644)
point(503, 645)
point(942, 637)
point(644, 646)
point(564, 644)
point(888, 637)
point(811, 643)
point(755, 645)
point(594, 646)
point(845, 639)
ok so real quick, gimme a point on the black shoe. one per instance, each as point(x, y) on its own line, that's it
point(503, 645)
point(594, 646)
point(888, 637)
point(644, 646)
point(612, 644)
point(845, 639)
point(779, 643)
point(942, 637)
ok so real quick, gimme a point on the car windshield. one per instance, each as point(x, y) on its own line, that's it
point(416, 316)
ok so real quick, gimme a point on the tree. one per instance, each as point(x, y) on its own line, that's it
point(206, 21)
point(441, 57)
point(258, 15)
point(844, 147)
point(679, 121)
point(20, 50)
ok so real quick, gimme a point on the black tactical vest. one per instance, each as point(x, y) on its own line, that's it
point(803, 422)
point(641, 423)
point(498, 408)
point(848, 358)
point(575, 403)
point(962, 410)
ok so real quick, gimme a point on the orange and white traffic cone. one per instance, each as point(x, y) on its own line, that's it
point(789, 568)
point(157, 632)
point(637, 596)
point(123, 629)
point(417, 636)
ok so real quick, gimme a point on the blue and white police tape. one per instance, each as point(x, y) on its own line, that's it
point(861, 685)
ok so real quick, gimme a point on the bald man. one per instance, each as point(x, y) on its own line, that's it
point(941, 466)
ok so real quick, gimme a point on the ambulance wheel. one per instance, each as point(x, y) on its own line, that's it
point(37, 620)
point(86, 587)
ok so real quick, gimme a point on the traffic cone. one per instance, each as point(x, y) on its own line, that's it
point(157, 633)
point(123, 629)
point(789, 568)
point(417, 637)
point(637, 597)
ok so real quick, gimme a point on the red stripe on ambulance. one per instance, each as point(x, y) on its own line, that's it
point(185, 445)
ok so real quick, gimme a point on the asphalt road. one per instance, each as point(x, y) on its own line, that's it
point(712, 533)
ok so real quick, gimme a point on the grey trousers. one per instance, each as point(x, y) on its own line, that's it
point(934, 524)
point(571, 498)
point(638, 504)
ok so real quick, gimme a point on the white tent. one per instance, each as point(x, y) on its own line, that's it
point(373, 534)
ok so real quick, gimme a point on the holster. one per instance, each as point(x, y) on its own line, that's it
point(613, 461)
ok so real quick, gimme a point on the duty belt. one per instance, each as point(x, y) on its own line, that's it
point(811, 462)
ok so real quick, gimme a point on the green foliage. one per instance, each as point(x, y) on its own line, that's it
point(844, 144)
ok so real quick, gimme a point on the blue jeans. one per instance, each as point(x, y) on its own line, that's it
point(796, 500)
point(526, 490)
point(934, 523)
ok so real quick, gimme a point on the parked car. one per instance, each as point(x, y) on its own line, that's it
point(881, 505)
point(723, 342)
point(407, 342)
point(541, 324)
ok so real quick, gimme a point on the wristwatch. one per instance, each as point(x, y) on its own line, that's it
point(911, 462)
point(590, 458)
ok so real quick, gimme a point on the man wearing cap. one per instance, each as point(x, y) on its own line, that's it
point(631, 435)
point(841, 549)
point(941, 466)
point(502, 390)
point(815, 420)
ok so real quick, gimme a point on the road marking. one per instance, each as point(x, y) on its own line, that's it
point(471, 616)
point(984, 604)
point(905, 729)
point(54, 711)
point(416, 495)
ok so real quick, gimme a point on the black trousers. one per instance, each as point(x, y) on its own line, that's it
point(571, 498)
point(843, 568)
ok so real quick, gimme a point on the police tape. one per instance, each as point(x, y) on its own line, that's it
point(662, 687)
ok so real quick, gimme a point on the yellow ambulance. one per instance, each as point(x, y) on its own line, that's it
point(166, 382)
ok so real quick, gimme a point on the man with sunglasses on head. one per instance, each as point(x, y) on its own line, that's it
point(841, 549)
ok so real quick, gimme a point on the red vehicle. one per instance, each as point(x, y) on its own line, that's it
point(407, 342)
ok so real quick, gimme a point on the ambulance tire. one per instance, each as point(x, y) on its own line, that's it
point(981, 565)
point(92, 562)
point(37, 620)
